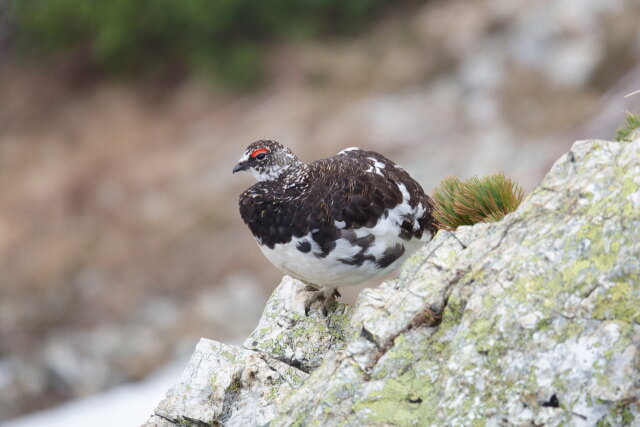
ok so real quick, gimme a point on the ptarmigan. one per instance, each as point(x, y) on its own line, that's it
point(334, 222)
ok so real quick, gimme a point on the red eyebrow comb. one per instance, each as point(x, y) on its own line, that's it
point(258, 151)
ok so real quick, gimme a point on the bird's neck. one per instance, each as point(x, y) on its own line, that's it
point(283, 174)
point(286, 164)
point(295, 175)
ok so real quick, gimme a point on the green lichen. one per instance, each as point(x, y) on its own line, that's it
point(408, 370)
point(620, 302)
point(213, 380)
point(235, 385)
point(315, 335)
point(274, 346)
point(620, 414)
point(626, 416)
point(480, 328)
point(629, 187)
point(624, 342)
point(402, 401)
point(340, 324)
point(299, 420)
point(402, 354)
point(273, 393)
point(228, 355)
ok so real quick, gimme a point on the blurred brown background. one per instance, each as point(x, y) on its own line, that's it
point(120, 121)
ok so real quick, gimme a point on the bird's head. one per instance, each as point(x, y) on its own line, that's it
point(266, 160)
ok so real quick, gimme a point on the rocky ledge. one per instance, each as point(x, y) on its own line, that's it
point(533, 320)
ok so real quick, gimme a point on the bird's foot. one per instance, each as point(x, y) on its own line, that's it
point(326, 295)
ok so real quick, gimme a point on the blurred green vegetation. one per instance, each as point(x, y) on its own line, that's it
point(156, 37)
point(632, 123)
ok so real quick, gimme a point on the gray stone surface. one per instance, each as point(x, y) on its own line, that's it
point(242, 386)
point(529, 321)
point(156, 421)
point(287, 334)
point(228, 385)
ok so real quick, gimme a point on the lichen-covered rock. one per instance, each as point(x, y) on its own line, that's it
point(286, 333)
point(540, 324)
point(242, 386)
point(156, 421)
point(227, 385)
point(530, 321)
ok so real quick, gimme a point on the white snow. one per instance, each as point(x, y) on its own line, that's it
point(127, 405)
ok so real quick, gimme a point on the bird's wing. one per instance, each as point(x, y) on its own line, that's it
point(269, 219)
point(355, 188)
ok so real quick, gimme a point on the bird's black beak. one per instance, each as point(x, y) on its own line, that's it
point(240, 167)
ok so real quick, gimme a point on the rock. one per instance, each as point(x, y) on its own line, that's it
point(533, 320)
point(287, 334)
point(156, 421)
point(229, 385)
point(242, 386)
point(540, 325)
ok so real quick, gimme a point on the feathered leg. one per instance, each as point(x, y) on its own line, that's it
point(326, 295)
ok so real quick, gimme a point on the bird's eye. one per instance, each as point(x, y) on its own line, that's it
point(259, 154)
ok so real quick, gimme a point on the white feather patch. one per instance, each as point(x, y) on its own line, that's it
point(346, 150)
point(329, 271)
